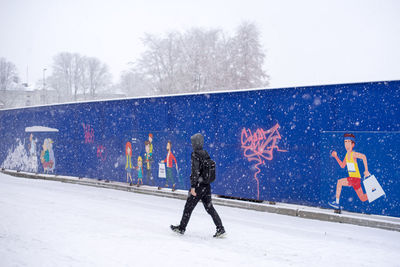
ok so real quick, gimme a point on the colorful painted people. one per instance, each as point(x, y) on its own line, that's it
point(47, 156)
point(148, 160)
point(128, 165)
point(354, 178)
point(169, 160)
point(139, 169)
point(151, 144)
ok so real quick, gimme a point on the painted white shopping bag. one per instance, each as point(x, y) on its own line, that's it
point(373, 188)
point(161, 170)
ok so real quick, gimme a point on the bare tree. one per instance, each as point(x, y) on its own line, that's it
point(62, 77)
point(97, 75)
point(78, 69)
point(8, 74)
point(74, 74)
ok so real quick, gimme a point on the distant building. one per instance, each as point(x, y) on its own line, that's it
point(25, 96)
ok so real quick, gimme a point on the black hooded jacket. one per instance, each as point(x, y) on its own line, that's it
point(198, 152)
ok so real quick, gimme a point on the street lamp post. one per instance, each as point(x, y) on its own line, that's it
point(44, 79)
point(44, 85)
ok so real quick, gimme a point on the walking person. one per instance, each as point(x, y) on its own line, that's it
point(199, 190)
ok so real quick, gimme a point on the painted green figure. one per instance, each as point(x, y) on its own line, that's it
point(148, 160)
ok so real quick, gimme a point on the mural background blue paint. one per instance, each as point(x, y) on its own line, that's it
point(312, 122)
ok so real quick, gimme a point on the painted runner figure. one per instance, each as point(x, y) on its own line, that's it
point(198, 191)
point(354, 178)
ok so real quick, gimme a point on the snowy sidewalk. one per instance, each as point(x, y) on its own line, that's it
point(46, 223)
point(376, 221)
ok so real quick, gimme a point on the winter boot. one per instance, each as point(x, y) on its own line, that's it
point(220, 233)
point(177, 229)
point(173, 188)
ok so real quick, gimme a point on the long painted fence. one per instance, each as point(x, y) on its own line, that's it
point(271, 144)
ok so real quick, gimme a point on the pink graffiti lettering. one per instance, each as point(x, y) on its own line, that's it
point(89, 133)
point(259, 146)
point(101, 153)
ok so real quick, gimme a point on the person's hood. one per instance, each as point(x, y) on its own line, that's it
point(197, 141)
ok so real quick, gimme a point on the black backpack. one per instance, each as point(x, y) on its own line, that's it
point(207, 168)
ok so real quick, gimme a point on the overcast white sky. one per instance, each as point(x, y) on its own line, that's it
point(307, 42)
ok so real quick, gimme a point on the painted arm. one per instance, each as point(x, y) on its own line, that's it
point(364, 159)
point(342, 164)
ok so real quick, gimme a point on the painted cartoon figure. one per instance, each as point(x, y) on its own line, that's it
point(47, 156)
point(139, 169)
point(128, 165)
point(354, 178)
point(151, 144)
point(148, 160)
point(32, 162)
point(169, 160)
point(32, 145)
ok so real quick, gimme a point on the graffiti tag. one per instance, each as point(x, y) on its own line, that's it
point(101, 152)
point(259, 146)
point(88, 133)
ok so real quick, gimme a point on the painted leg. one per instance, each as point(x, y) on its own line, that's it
point(363, 197)
point(342, 182)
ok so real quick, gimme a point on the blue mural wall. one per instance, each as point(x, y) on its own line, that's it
point(273, 144)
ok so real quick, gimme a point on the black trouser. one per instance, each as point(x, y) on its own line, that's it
point(204, 194)
point(149, 177)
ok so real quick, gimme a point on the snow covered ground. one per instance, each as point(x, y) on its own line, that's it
point(44, 223)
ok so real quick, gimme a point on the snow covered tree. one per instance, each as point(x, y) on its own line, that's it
point(159, 64)
point(199, 60)
point(134, 84)
point(248, 58)
point(202, 56)
point(8, 74)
